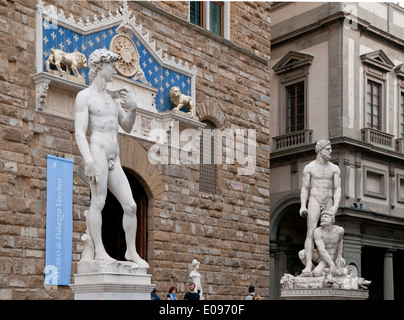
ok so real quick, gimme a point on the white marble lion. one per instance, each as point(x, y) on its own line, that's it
point(74, 61)
point(181, 100)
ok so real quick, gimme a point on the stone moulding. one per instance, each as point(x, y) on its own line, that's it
point(96, 288)
point(112, 286)
point(324, 294)
point(146, 119)
point(42, 82)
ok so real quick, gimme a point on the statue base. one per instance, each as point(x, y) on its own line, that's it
point(324, 294)
point(326, 287)
point(117, 280)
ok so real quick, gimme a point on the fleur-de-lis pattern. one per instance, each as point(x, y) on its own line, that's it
point(58, 37)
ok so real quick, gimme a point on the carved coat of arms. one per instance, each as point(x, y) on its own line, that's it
point(128, 63)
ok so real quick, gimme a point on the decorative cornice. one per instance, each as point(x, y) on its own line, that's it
point(363, 26)
point(88, 26)
point(368, 215)
point(380, 35)
point(320, 25)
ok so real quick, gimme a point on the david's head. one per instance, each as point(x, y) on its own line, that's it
point(101, 59)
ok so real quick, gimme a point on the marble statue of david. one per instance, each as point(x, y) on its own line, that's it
point(100, 114)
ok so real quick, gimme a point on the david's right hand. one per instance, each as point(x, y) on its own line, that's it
point(303, 212)
point(91, 172)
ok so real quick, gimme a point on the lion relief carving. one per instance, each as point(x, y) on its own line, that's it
point(74, 61)
point(181, 100)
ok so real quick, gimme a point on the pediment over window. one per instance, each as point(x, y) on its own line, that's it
point(291, 61)
point(378, 59)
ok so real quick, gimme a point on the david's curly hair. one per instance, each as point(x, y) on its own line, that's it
point(97, 59)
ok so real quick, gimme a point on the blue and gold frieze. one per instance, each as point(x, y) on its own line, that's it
point(58, 37)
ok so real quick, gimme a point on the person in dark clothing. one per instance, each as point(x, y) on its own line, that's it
point(191, 295)
point(154, 296)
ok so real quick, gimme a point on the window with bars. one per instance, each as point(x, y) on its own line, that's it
point(196, 13)
point(373, 111)
point(200, 11)
point(207, 167)
point(402, 115)
point(295, 107)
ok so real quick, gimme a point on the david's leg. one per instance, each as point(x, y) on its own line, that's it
point(94, 224)
point(119, 186)
point(94, 217)
point(130, 226)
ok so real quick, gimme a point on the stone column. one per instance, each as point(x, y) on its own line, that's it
point(388, 277)
point(273, 272)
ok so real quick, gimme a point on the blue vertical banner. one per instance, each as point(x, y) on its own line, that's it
point(59, 221)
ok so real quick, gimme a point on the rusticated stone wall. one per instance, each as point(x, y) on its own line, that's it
point(227, 232)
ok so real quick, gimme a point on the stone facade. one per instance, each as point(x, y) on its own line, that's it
point(228, 232)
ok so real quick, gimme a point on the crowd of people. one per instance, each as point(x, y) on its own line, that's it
point(195, 295)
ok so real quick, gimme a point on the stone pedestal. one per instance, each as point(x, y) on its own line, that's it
point(182, 113)
point(67, 76)
point(326, 287)
point(118, 280)
point(324, 294)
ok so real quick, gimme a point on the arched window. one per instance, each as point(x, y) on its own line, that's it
point(208, 168)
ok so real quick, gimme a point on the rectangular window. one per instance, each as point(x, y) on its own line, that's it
point(373, 111)
point(196, 13)
point(400, 190)
point(375, 183)
point(216, 17)
point(402, 115)
point(208, 14)
point(295, 107)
